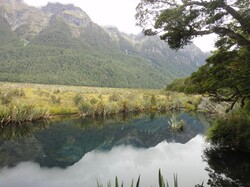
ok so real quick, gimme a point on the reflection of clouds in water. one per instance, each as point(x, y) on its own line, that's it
point(124, 161)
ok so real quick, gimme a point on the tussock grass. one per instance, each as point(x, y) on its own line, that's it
point(21, 113)
point(91, 101)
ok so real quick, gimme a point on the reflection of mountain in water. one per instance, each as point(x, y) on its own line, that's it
point(65, 142)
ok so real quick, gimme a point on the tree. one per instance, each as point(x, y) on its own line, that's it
point(179, 21)
point(226, 75)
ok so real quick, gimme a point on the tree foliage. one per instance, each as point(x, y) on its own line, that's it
point(226, 75)
point(179, 22)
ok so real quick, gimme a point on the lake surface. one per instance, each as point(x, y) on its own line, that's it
point(77, 153)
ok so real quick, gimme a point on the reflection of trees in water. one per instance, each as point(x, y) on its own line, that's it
point(99, 122)
point(18, 143)
point(227, 168)
point(64, 141)
point(14, 131)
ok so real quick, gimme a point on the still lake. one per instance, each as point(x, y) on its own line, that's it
point(78, 152)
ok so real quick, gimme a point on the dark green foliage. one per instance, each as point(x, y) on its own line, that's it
point(55, 100)
point(7, 37)
point(138, 181)
point(161, 179)
point(181, 21)
point(227, 167)
point(232, 133)
point(225, 77)
point(84, 108)
point(77, 99)
point(153, 101)
point(177, 85)
point(91, 58)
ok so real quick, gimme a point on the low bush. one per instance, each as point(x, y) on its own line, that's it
point(21, 113)
point(232, 132)
point(77, 99)
point(55, 100)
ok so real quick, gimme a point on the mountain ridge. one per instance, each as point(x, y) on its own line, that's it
point(60, 44)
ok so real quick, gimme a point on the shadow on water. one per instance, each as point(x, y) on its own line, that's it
point(227, 168)
point(62, 143)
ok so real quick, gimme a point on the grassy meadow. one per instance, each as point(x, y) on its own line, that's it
point(20, 102)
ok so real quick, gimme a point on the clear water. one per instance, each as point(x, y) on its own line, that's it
point(77, 153)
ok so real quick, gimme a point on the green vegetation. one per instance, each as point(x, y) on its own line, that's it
point(180, 21)
point(226, 75)
point(50, 100)
point(21, 113)
point(82, 53)
point(161, 180)
point(16, 132)
point(232, 132)
point(175, 124)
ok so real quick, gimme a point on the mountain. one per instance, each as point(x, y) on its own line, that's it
point(60, 44)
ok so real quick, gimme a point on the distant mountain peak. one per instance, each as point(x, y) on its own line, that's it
point(70, 13)
point(56, 8)
point(59, 44)
point(11, 1)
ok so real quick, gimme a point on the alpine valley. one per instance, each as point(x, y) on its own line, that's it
point(60, 44)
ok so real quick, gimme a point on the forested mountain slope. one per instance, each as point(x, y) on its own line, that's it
point(60, 44)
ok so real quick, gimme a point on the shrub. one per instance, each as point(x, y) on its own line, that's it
point(124, 106)
point(85, 108)
point(57, 91)
point(77, 99)
point(112, 108)
point(153, 100)
point(21, 113)
point(94, 100)
point(114, 97)
point(99, 108)
point(7, 97)
point(176, 125)
point(232, 133)
point(55, 100)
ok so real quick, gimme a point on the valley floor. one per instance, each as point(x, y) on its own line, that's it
point(27, 102)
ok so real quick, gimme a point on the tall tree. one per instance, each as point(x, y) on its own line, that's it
point(226, 76)
point(179, 21)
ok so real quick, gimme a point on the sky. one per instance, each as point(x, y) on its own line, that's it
point(118, 13)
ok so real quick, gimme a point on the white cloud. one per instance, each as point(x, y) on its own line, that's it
point(126, 162)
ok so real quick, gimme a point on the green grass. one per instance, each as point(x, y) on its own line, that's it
point(20, 113)
point(161, 181)
point(88, 101)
